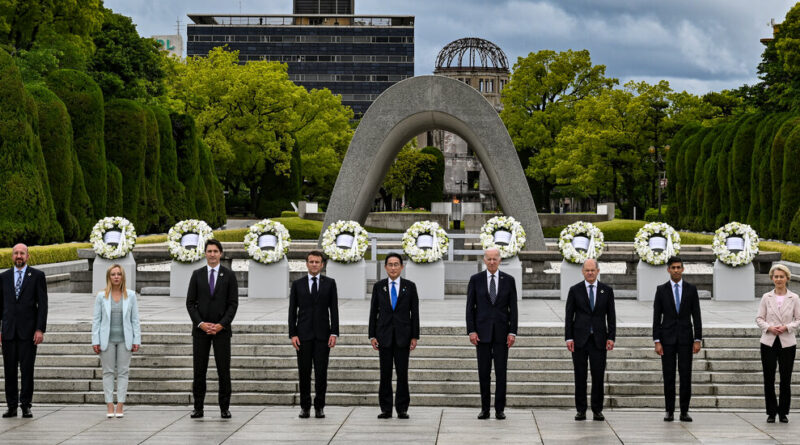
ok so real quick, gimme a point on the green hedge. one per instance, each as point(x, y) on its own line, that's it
point(172, 191)
point(673, 158)
point(216, 196)
point(26, 207)
point(776, 170)
point(126, 145)
point(114, 177)
point(741, 166)
point(84, 102)
point(56, 253)
point(188, 165)
point(152, 211)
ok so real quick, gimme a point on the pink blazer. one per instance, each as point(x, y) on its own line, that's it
point(770, 315)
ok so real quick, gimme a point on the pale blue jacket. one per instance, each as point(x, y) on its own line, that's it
point(101, 323)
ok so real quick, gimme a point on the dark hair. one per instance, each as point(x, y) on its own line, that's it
point(674, 259)
point(214, 242)
point(392, 255)
point(316, 253)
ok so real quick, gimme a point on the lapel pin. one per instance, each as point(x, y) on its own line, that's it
point(222, 274)
point(384, 288)
point(601, 291)
point(29, 274)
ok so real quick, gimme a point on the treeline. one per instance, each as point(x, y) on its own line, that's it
point(743, 170)
point(69, 158)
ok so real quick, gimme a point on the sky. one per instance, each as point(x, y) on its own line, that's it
point(697, 45)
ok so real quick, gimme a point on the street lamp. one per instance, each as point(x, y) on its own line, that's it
point(656, 158)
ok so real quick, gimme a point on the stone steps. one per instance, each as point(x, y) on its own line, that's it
point(727, 372)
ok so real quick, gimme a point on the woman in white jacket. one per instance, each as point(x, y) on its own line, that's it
point(116, 334)
point(778, 317)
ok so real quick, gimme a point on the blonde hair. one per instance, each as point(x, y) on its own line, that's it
point(782, 268)
point(108, 281)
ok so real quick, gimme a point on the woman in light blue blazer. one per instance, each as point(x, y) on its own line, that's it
point(115, 335)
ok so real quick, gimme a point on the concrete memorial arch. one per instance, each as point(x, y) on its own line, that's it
point(417, 105)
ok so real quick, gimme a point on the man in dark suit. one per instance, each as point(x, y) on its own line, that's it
point(675, 307)
point(313, 328)
point(393, 332)
point(24, 309)
point(492, 328)
point(590, 331)
point(212, 300)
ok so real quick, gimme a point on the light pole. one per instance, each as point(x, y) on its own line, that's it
point(656, 158)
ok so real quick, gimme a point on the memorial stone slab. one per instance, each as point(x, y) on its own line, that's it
point(429, 278)
point(648, 278)
point(734, 283)
point(179, 275)
point(351, 279)
point(268, 280)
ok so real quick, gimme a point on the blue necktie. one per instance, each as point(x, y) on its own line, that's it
point(677, 298)
point(394, 296)
point(18, 284)
point(591, 297)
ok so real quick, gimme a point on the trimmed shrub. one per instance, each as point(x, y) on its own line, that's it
point(153, 210)
point(691, 151)
point(776, 173)
point(216, 197)
point(674, 158)
point(723, 167)
point(84, 102)
point(790, 194)
point(114, 206)
point(741, 165)
point(651, 215)
point(186, 144)
point(761, 197)
point(698, 184)
point(172, 191)
point(80, 203)
point(27, 208)
point(126, 145)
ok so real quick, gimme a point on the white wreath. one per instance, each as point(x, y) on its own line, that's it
point(435, 252)
point(267, 227)
point(642, 243)
point(506, 223)
point(589, 230)
point(182, 254)
point(127, 238)
point(743, 257)
point(356, 251)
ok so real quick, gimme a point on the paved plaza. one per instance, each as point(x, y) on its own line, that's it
point(359, 425)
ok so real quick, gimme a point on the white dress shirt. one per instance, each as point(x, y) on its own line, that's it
point(311, 283)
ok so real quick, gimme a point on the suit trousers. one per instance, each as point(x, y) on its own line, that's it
point(20, 353)
point(116, 361)
point(399, 355)
point(201, 347)
point(314, 352)
point(784, 359)
point(596, 358)
point(683, 354)
point(486, 353)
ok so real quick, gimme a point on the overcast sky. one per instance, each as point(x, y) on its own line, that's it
point(697, 45)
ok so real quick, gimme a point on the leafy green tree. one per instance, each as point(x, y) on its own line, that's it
point(173, 192)
point(699, 188)
point(422, 193)
point(674, 158)
point(23, 23)
point(691, 153)
point(188, 150)
point(126, 140)
point(212, 185)
point(723, 172)
point(776, 174)
point(765, 133)
point(740, 166)
point(790, 194)
point(115, 195)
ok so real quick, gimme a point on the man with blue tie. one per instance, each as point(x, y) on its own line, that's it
point(590, 331)
point(492, 328)
point(393, 332)
point(675, 307)
point(24, 308)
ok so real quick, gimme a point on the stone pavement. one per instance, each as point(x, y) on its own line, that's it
point(348, 425)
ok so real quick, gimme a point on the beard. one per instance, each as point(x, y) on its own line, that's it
point(19, 263)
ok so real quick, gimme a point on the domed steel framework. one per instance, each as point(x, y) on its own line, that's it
point(471, 52)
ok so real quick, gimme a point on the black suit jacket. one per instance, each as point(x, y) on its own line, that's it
point(492, 322)
point(580, 319)
point(671, 327)
point(24, 316)
point(313, 318)
point(218, 308)
point(396, 326)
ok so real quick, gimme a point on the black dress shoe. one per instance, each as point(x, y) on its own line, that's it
point(670, 417)
point(12, 412)
point(483, 415)
point(783, 418)
point(319, 413)
point(402, 415)
point(598, 416)
point(385, 415)
point(499, 415)
point(770, 419)
point(580, 416)
point(685, 417)
point(304, 413)
point(225, 414)
point(27, 414)
point(197, 414)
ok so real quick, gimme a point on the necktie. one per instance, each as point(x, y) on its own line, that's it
point(591, 297)
point(313, 286)
point(677, 298)
point(394, 296)
point(18, 284)
point(211, 282)
point(492, 290)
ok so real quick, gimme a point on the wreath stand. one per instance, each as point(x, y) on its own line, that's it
point(734, 283)
point(571, 274)
point(648, 278)
point(179, 276)
point(429, 278)
point(268, 280)
point(351, 279)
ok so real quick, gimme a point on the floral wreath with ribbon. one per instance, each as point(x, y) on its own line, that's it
point(642, 243)
point(508, 224)
point(180, 253)
point(744, 256)
point(267, 227)
point(596, 242)
point(127, 237)
point(437, 249)
point(357, 249)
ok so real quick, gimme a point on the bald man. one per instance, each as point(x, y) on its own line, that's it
point(492, 328)
point(24, 321)
point(591, 327)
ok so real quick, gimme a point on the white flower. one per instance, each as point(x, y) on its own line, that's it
point(180, 253)
point(589, 230)
point(642, 243)
point(741, 258)
point(352, 255)
point(127, 237)
point(419, 255)
point(508, 224)
point(267, 227)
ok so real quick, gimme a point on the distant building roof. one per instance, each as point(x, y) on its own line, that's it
point(471, 52)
